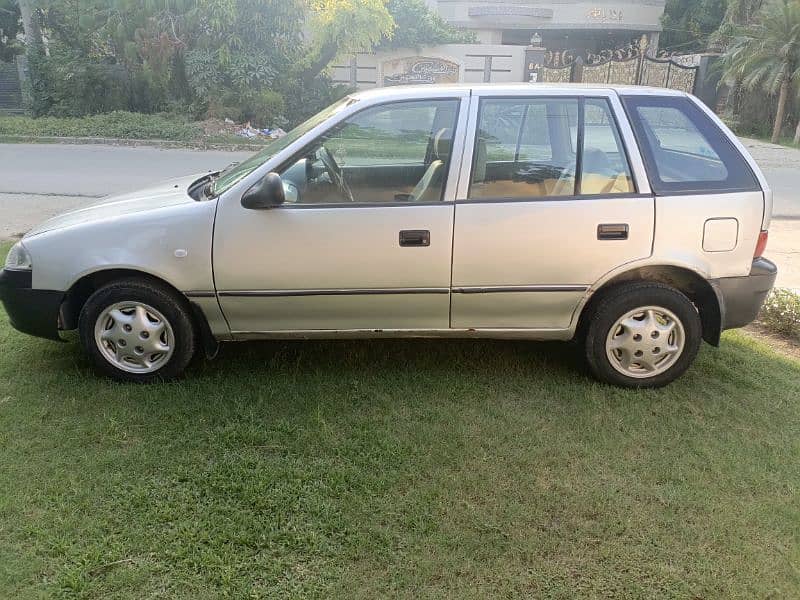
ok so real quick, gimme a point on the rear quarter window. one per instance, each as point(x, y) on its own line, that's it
point(684, 150)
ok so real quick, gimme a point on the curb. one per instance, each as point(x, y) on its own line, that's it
point(166, 144)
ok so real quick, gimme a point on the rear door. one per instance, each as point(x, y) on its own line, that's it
point(549, 204)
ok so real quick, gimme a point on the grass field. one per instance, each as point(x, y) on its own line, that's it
point(406, 469)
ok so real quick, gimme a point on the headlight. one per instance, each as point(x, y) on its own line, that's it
point(18, 258)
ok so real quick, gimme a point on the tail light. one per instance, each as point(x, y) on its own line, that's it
point(761, 245)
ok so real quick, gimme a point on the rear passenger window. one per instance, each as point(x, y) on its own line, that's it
point(684, 150)
point(529, 148)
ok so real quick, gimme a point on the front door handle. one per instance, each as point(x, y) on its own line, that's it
point(612, 231)
point(415, 237)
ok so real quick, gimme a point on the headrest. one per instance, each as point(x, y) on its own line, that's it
point(441, 144)
point(595, 161)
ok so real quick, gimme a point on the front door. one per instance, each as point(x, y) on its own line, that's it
point(549, 207)
point(364, 241)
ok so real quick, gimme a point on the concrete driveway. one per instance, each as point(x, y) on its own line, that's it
point(38, 181)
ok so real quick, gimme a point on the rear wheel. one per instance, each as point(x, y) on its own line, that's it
point(135, 330)
point(643, 335)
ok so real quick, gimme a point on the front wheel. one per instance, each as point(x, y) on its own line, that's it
point(643, 335)
point(137, 331)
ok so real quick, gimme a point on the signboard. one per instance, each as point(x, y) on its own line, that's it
point(605, 15)
point(419, 69)
point(510, 11)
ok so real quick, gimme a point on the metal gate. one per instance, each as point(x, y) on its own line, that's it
point(616, 68)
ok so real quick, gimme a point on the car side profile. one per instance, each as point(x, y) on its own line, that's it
point(629, 219)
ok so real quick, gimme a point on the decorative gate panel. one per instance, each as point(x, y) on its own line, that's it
point(682, 78)
point(647, 71)
point(595, 73)
point(655, 73)
point(561, 75)
point(623, 72)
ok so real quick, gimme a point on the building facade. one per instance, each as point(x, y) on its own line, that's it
point(514, 39)
point(583, 26)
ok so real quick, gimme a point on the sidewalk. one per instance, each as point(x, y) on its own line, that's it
point(781, 166)
point(784, 250)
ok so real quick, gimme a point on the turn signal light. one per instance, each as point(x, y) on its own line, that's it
point(762, 244)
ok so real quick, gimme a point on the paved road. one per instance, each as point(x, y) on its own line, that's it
point(38, 181)
point(97, 170)
point(781, 167)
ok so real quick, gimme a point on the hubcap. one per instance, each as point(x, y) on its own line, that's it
point(134, 337)
point(645, 342)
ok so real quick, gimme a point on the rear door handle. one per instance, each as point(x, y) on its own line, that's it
point(612, 231)
point(415, 237)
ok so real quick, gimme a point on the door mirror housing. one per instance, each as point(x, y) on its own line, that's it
point(267, 193)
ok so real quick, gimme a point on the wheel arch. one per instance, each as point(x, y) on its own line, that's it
point(80, 291)
point(691, 283)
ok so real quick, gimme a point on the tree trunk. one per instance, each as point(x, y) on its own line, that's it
point(797, 133)
point(319, 63)
point(784, 95)
point(30, 23)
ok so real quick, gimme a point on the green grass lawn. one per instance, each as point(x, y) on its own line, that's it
point(398, 468)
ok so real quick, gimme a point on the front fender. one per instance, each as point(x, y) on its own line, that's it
point(172, 243)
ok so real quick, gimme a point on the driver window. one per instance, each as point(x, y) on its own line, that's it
point(386, 154)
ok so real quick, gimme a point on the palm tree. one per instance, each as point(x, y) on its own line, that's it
point(766, 54)
point(738, 14)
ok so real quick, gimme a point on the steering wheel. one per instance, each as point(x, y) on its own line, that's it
point(335, 171)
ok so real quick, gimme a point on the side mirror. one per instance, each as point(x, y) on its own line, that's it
point(267, 193)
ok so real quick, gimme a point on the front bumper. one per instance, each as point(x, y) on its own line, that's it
point(34, 312)
point(741, 298)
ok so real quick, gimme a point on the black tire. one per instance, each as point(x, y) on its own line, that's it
point(172, 306)
point(628, 297)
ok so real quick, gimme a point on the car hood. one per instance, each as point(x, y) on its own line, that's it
point(167, 193)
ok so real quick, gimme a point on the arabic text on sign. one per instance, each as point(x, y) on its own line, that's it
point(604, 14)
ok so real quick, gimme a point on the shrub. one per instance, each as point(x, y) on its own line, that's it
point(262, 109)
point(67, 83)
point(781, 312)
point(118, 124)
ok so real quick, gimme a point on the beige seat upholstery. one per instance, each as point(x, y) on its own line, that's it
point(429, 188)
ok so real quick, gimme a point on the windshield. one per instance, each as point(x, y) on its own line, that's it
point(236, 172)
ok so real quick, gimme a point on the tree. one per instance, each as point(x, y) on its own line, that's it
point(766, 55)
point(30, 24)
point(344, 26)
point(9, 28)
point(738, 14)
point(237, 58)
point(417, 25)
point(688, 24)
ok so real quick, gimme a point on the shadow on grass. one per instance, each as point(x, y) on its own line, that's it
point(291, 377)
point(329, 372)
point(338, 357)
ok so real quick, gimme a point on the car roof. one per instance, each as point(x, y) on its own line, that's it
point(465, 89)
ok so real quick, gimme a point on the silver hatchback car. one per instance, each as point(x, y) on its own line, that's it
point(630, 219)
